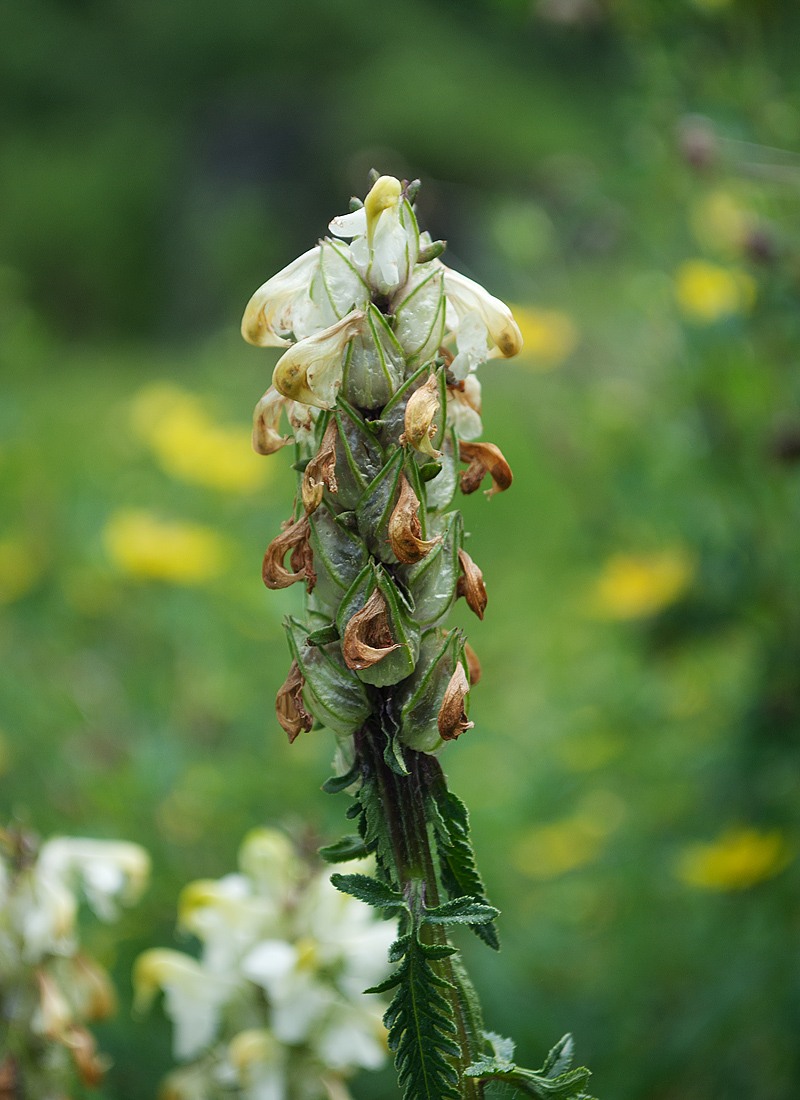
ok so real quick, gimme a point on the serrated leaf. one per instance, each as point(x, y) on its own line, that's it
point(369, 890)
point(337, 783)
point(559, 1059)
point(503, 1048)
point(464, 910)
point(349, 847)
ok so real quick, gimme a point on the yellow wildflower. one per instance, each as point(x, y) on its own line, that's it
point(549, 336)
point(549, 851)
point(738, 860)
point(19, 570)
point(707, 292)
point(721, 222)
point(632, 586)
point(190, 446)
point(143, 546)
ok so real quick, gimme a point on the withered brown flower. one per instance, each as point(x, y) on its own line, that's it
point(367, 638)
point(421, 408)
point(473, 665)
point(405, 528)
point(470, 584)
point(320, 473)
point(289, 708)
point(294, 538)
point(452, 716)
point(483, 459)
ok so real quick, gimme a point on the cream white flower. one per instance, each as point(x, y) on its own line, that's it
point(258, 1061)
point(386, 236)
point(283, 304)
point(108, 870)
point(193, 996)
point(311, 370)
point(467, 297)
point(464, 408)
point(227, 917)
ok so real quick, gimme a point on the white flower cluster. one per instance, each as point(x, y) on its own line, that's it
point(49, 988)
point(274, 1007)
point(361, 316)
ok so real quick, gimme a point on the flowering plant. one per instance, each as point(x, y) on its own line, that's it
point(273, 1008)
point(50, 988)
point(378, 383)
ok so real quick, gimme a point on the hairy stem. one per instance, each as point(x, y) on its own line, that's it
point(405, 800)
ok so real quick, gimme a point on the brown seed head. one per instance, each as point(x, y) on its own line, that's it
point(470, 584)
point(423, 404)
point(483, 459)
point(367, 638)
point(473, 665)
point(320, 473)
point(289, 708)
point(294, 538)
point(452, 716)
point(405, 528)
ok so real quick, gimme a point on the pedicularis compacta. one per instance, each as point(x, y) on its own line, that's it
point(379, 388)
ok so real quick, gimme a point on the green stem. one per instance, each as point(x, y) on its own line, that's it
point(405, 800)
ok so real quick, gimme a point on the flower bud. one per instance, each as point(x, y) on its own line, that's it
point(470, 584)
point(452, 720)
point(320, 473)
point(289, 708)
point(483, 459)
point(421, 409)
point(311, 370)
point(384, 195)
point(367, 638)
point(269, 316)
point(294, 538)
point(405, 528)
point(467, 296)
point(267, 438)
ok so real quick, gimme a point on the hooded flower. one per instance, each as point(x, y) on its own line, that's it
point(282, 307)
point(311, 370)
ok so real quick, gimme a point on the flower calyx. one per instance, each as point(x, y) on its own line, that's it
point(311, 370)
point(295, 538)
point(470, 584)
point(452, 720)
point(320, 473)
point(422, 406)
point(405, 528)
point(367, 638)
point(289, 708)
point(483, 459)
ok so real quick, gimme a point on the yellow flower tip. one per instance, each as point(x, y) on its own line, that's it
point(633, 586)
point(707, 292)
point(189, 445)
point(739, 859)
point(549, 336)
point(252, 1047)
point(20, 571)
point(384, 195)
point(147, 548)
point(194, 896)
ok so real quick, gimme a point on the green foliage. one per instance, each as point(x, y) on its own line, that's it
point(421, 1029)
point(554, 1081)
point(371, 891)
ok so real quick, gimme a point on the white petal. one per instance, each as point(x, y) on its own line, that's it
point(353, 224)
point(311, 370)
point(270, 963)
point(351, 1039)
point(267, 318)
point(467, 295)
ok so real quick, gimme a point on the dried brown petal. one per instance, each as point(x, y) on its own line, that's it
point(92, 988)
point(421, 408)
point(289, 708)
point(452, 716)
point(470, 584)
point(405, 528)
point(367, 638)
point(320, 472)
point(90, 1065)
point(267, 438)
point(473, 665)
point(483, 459)
point(294, 538)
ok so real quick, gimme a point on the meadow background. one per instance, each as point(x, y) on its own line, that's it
point(627, 174)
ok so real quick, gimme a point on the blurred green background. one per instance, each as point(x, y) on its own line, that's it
point(627, 174)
